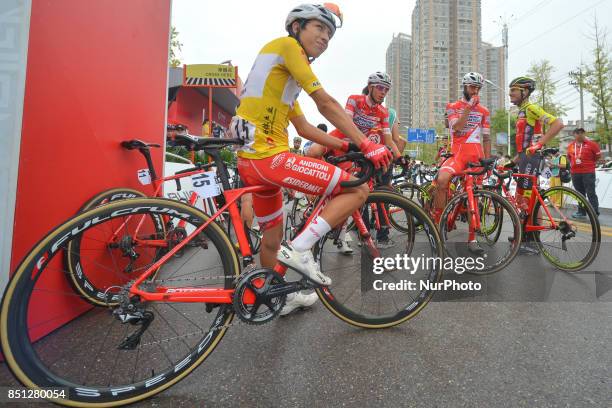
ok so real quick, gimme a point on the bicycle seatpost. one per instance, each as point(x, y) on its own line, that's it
point(146, 152)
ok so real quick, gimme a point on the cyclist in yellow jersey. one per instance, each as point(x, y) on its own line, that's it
point(267, 105)
point(531, 118)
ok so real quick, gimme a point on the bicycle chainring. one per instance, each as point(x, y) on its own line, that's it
point(253, 303)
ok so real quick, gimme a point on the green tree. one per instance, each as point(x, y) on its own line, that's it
point(545, 87)
point(598, 82)
point(175, 47)
point(499, 124)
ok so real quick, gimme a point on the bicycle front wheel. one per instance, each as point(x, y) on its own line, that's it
point(378, 286)
point(498, 219)
point(89, 350)
point(571, 236)
point(93, 286)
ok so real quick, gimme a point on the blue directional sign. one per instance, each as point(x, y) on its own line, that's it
point(431, 136)
point(412, 135)
point(422, 135)
point(418, 135)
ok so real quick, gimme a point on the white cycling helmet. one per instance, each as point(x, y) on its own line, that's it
point(328, 13)
point(473, 78)
point(380, 78)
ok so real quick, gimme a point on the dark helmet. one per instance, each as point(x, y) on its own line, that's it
point(523, 82)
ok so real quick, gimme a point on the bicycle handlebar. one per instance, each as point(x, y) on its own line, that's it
point(549, 150)
point(366, 166)
point(486, 164)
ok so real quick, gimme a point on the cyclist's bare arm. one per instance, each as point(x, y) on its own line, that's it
point(399, 142)
point(310, 132)
point(335, 113)
point(553, 130)
point(486, 144)
point(460, 123)
point(388, 138)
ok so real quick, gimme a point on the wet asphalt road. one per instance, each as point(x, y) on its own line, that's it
point(534, 337)
point(550, 348)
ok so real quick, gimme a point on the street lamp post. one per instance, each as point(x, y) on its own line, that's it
point(508, 110)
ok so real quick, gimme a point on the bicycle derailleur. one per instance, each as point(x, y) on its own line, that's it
point(260, 295)
point(131, 310)
point(568, 232)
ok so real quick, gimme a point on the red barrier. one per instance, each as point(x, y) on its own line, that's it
point(96, 75)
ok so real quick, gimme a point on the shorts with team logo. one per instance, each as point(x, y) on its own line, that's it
point(304, 174)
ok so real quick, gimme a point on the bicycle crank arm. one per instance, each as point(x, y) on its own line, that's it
point(285, 289)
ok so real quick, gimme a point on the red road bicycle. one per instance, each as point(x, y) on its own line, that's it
point(468, 216)
point(94, 290)
point(155, 329)
point(570, 245)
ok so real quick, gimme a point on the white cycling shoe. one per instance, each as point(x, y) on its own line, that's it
point(303, 263)
point(345, 248)
point(298, 300)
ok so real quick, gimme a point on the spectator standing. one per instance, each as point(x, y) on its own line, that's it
point(217, 130)
point(205, 129)
point(558, 163)
point(584, 154)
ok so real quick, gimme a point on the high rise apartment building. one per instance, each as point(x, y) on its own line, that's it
point(446, 44)
point(398, 66)
point(494, 69)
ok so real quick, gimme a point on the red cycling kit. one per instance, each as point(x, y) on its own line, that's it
point(289, 170)
point(466, 145)
point(371, 120)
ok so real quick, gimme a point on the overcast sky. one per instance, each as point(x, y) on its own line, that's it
point(556, 30)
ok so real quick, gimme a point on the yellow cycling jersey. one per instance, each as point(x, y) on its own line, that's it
point(529, 123)
point(268, 99)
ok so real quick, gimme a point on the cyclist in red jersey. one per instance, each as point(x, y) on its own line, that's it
point(469, 122)
point(368, 114)
point(267, 105)
point(372, 119)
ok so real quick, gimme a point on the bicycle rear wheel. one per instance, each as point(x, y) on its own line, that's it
point(569, 244)
point(370, 294)
point(75, 345)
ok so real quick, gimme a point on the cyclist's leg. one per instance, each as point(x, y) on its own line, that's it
point(246, 209)
point(382, 235)
point(307, 175)
point(527, 165)
point(317, 151)
point(440, 185)
point(471, 153)
point(589, 186)
point(269, 211)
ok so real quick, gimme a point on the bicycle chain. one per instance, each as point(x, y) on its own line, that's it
point(237, 322)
